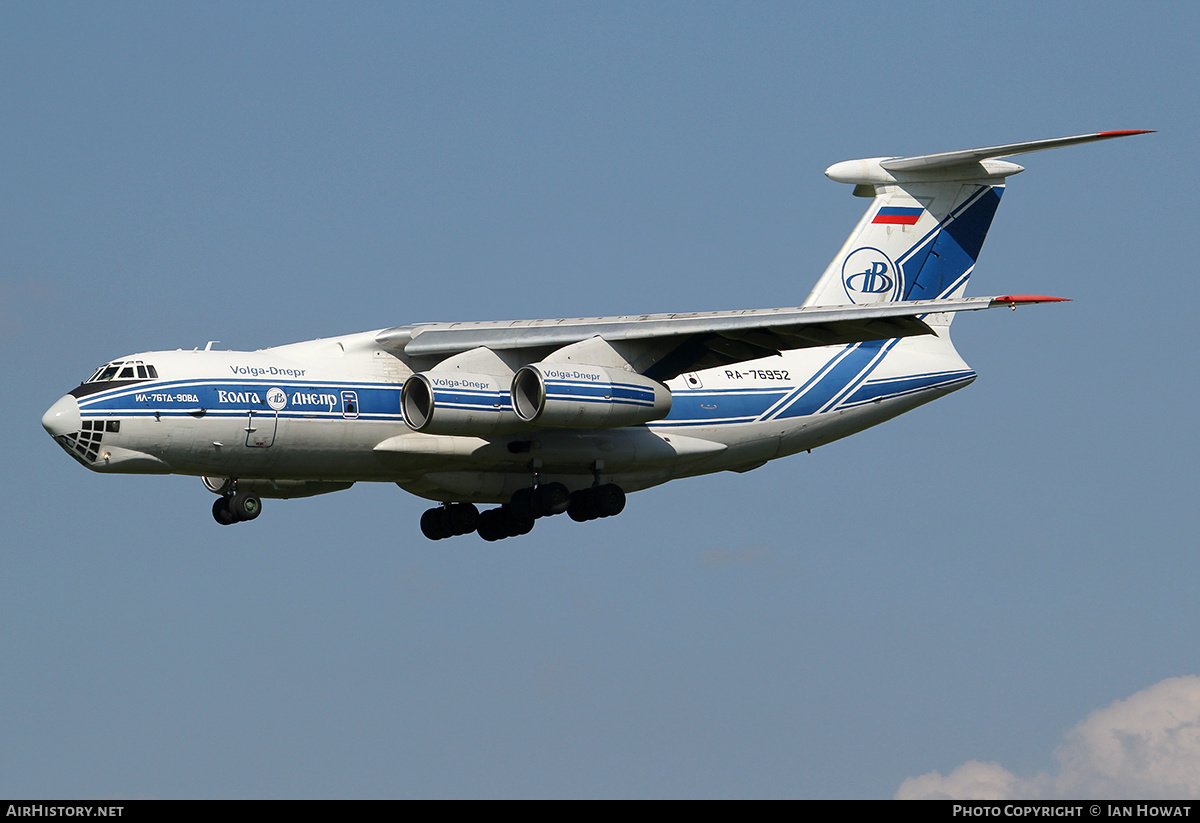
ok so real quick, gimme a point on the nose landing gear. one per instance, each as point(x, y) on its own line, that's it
point(236, 508)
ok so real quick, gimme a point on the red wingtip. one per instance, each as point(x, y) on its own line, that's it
point(1125, 132)
point(1019, 299)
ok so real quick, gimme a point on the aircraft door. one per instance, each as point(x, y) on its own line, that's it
point(260, 430)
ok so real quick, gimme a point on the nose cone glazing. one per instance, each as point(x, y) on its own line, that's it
point(62, 418)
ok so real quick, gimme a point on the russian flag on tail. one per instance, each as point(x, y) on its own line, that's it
point(898, 215)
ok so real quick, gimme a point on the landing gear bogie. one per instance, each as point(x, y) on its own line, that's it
point(518, 516)
point(551, 499)
point(545, 500)
point(236, 508)
point(607, 500)
point(449, 520)
point(505, 521)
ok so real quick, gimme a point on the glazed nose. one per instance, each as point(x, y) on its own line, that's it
point(63, 417)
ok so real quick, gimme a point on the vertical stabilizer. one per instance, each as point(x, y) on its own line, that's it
point(916, 241)
point(928, 218)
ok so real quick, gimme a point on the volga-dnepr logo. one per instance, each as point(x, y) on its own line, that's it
point(869, 276)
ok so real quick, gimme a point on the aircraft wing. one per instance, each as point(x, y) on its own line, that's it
point(662, 346)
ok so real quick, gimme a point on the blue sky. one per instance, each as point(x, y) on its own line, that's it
point(968, 582)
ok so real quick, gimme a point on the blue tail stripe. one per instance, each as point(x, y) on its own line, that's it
point(839, 379)
point(939, 265)
point(877, 390)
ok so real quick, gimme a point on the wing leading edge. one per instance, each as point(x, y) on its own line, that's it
point(662, 346)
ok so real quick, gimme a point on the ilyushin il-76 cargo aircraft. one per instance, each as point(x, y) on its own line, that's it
point(545, 417)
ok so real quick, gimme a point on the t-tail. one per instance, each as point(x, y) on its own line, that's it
point(929, 215)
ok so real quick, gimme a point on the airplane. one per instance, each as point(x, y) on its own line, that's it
point(545, 417)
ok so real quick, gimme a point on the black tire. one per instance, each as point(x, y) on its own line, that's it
point(514, 522)
point(610, 500)
point(524, 503)
point(245, 506)
point(431, 524)
point(221, 512)
point(551, 499)
point(583, 506)
point(490, 527)
point(463, 518)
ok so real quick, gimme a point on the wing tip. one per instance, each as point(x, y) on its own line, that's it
point(1125, 132)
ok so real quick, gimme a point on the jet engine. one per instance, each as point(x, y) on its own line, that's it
point(454, 402)
point(568, 395)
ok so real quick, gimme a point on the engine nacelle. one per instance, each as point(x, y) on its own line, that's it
point(454, 402)
point(568, 395)
point(279, 489)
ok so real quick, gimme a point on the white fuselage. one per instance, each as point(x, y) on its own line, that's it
point(328, 412)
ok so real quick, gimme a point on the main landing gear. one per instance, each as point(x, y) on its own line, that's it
point(517, 516)
point(449, 520)
point(236, 508)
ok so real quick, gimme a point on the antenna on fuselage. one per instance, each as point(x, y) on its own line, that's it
point(209, 346)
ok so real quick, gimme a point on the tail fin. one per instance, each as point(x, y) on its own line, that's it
point(917, 241)
point(926, 223)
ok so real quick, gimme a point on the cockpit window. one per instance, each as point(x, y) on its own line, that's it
point(124, 370)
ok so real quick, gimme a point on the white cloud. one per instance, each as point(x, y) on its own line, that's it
point(1146, 746)
point(972, 780)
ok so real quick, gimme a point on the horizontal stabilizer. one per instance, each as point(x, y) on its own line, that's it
point(957, 158)
point(1015, 300)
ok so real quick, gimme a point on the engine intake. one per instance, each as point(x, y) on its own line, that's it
point(454, 402)
point(567, 395)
